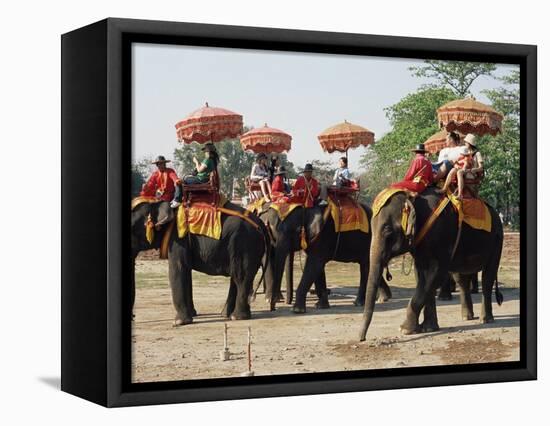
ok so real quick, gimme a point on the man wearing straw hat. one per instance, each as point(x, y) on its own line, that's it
point(419, 175)
point(163, 182)
point(306, 189)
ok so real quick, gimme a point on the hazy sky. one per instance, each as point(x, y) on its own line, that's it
point(300, 93)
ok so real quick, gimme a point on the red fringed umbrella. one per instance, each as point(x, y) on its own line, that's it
point(209, 124)
point(469, 116)
point(266, 139)
point(344, 136)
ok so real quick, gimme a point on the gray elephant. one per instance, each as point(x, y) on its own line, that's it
point(238, 254)
point(323, 245)
point(434, 256)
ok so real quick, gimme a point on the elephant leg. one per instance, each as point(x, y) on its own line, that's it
point(321, 290)
point(231, 299)
point(289, 275)
point(244, 285)
point(488, 278)
point(410, 325)
point(427, 279)
point(474, 289)
point(180, 278)
point(465, 296)
point(311, 272)
point(430, 322)
point(384, 291)
point(445, 290)
point(363, 277)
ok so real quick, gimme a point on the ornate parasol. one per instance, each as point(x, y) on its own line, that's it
point(344, 136)
point(266, 139)
point(437, 141)
point(469, 116)
point(209, 124)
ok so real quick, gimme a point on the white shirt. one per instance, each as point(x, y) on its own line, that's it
point(339, 174)
point(451, 154)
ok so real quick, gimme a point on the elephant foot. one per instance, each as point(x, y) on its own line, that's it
point(194, 312)
point(178, 322)
point(382, 298)
point(487, 319)
point(299, 309)
point(322, 304)
point(280, 297)
point(359, 302)
point(407, 329)
point(468, 317)
point(445, 296)
point(429, 327)
point(288, 301)
point(235, 316)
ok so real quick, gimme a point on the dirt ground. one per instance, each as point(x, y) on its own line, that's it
point(320, 340)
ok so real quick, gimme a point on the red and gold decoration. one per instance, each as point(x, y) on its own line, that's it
point(469, 116)
point(344, 136)
point(348, 215)
point(267, 140)
point(209, 124)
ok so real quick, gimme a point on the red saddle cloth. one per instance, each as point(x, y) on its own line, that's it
point(347, 213)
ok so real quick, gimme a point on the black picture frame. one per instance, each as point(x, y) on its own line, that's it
point(96, 140)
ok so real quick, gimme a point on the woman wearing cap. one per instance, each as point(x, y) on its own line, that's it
point(469, 166)
point(163, 182)
point(260, 175)
point(419, 175)
point(204, 168)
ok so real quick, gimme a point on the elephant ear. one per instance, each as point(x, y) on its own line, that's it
point(408, 219)
point(165, 214)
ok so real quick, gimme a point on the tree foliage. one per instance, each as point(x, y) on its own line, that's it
point(141, 170)
point(413, 120)
point(456, 75)
point(501, 186)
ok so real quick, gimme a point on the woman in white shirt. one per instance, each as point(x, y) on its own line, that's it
point(260, 174)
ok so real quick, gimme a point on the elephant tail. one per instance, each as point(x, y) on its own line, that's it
point(498, 294)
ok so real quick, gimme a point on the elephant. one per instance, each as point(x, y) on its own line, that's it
point(324, 244)
point(242, 249)
point(434, 257)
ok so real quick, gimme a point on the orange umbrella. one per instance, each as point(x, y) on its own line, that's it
point(209, 124)
point(344, 136)
point(469, 116)
point(437, 141)
point(266, 139)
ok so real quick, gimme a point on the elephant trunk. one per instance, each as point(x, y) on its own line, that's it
point(375, 275)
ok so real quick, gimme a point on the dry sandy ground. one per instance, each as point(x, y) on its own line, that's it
point(320, 340)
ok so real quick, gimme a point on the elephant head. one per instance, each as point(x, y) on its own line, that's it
point(148, 224)
point(393, 230)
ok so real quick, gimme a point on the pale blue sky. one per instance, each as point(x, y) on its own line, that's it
point(300, 93)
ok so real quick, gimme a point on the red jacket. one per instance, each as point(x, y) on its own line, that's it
point(278, 184)
point(419, 175)
point(305, 192)
point(161, 185)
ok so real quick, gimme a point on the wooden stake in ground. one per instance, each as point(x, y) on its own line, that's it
point(224, 354)
point(249, 350)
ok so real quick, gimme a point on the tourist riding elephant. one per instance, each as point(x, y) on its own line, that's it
point(477, 250)
point(237, 254)
point(323, 244)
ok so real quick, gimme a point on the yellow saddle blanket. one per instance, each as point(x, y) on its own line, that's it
point(201, 218)
point(348, 215)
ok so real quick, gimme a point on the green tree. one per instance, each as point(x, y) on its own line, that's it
point(140, 174)
point(501, 186)
point(413, 120)
point(456, 75)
